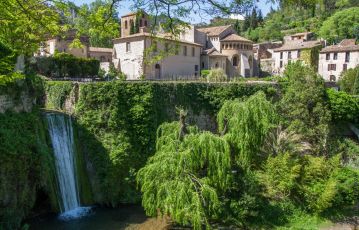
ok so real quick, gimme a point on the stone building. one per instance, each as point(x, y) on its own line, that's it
point(297, 47)
point(63, 44)
point(263, 58)
point(335, 59)
point(223, 48)
point(104, 55)
point(195, 49)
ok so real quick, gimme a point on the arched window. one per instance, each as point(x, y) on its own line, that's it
point(235, 60)
point(333, 78)
point(126, 25)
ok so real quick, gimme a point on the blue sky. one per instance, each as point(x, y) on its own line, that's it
point(124, 8)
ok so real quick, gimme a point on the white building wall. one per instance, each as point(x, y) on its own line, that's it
point(323, 64)
point(175, 66)
point(285, 60)
point(131, 62)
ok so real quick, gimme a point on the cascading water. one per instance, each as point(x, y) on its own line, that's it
point(61, 134)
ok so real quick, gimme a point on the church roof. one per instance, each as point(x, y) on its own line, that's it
point(298, 45)
point(343, 46)
point(235, 37)
point(212, 52)
point(214, 31)
point(145, 34)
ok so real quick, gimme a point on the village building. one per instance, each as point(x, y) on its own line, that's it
point(195, 49)
point(63, 45)
point(297, 47)
point(335, 59)
point(263, 58)
point(104, 55)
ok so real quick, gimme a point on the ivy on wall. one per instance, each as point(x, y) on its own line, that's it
point(26, 166)
point(117, 123)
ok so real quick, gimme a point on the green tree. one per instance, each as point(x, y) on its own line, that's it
point(94, 20)
point(349, 81)
point(303, 106)
point(341, 25)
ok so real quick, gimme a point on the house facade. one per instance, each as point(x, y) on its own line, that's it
point(335, 59)
point(63, 44)
point(195, 49)
point(297, 48)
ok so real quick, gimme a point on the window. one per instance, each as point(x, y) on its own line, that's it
point(126, 25)
point(281, 64)
point(193, 51)
point(196, 68)
point(145, 23)
point(281, 55)
point(202, 65)
point(332, 67)
point(298, 54)
point(332, 78)
point(327, 57)
point(235, 61)
point(222, 46)
point(345, 67)
point(335, 56)
point(289, 55)
point(217, 65)
point(347, 56)
point(185, 50)
point(128, 46)
point(241, 46)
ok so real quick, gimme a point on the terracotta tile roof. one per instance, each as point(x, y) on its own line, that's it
point(212, 52)
point(214, 31)
point(235, 37)
point(347, 42)
point(134, 13)
point(298, 45)
point(343, 46)
point(100, 49)
point(145, 34)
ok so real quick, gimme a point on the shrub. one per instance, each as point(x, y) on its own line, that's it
point(349, 81)
point(344, 107)
point(205, 72)
point(216, 75)
point(66, 65)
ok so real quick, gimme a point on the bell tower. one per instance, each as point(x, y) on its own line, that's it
point(134, 23)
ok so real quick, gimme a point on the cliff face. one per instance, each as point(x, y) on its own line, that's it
point(117, 122)
point(115, 126)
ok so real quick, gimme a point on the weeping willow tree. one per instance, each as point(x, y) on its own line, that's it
point(245, 125)
point(191, 171)
point(185, 177)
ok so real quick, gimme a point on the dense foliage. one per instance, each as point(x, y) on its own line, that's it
point(66, 65)
point(117, 123)
point(349, 81)
point(343, 106)
point(269, 161)
point(343, 24)
point(26, 166)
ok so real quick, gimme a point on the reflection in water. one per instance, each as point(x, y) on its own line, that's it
point(100, 219)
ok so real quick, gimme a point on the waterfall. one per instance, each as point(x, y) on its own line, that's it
point(62, 138)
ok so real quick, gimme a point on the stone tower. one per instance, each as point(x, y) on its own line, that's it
point(133, 23)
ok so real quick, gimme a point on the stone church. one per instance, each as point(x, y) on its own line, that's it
point(195, 49)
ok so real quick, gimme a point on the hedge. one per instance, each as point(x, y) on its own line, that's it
point(66, 65)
